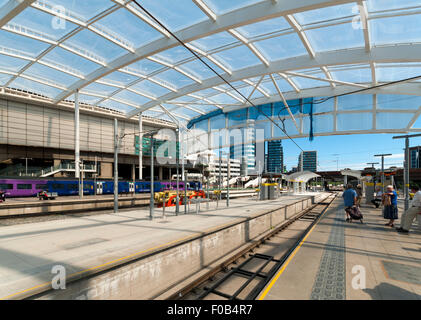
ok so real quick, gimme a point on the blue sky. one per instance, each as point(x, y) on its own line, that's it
point(354, 150)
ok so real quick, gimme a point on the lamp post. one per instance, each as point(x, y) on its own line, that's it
point(152, 195)
point(382, 177)
point(177, 156)
point(152, 199)
point(228, 174)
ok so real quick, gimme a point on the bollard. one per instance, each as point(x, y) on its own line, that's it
point(197, 206)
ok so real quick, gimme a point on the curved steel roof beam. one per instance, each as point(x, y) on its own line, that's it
point(242, 16)
point(11, 9)
point(395, 53)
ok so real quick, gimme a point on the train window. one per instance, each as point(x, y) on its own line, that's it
point(6, 186)
point(41, 186)
point(24, 186)
point(58, 186)
point(72, 187)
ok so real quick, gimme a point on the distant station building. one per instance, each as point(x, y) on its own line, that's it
point(215, 163)
point(309, 161)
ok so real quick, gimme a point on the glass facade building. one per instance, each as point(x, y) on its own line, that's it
point(309, 159)
point(246, 153)
point(275, 156)
point(414, 154)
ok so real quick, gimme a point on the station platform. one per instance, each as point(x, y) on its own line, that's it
point(21, 207)
point(337, 257)
point(89, 245)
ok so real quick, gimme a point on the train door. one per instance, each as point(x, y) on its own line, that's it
point(131, 187)
point(99, 188)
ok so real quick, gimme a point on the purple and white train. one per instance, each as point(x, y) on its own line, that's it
point(31, 187)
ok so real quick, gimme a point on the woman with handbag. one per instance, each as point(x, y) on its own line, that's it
point(390, 203)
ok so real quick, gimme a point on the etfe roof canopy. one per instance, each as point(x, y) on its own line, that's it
point(302, 176)
point(118, 57)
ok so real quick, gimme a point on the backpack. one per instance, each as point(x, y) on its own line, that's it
point(355, 213)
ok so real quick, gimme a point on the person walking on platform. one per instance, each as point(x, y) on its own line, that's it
point(410, 214)
point(378, 197)
point(390, 203)
point(350, 199)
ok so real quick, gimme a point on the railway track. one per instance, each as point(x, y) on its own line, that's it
point(244, 275)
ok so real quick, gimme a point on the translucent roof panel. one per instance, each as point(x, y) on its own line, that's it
point(401, 29)
point(11, 63)
point(214, 41)
point(35, 87)
point(206, 92)
point(282, 47)
point(150, 88)
point(71, 61)
point(238, 58)
point(246, 91)
point(327, 14)
point(393, 72)
point(84, 10)
point(125, 25)
point(131, 97)
point(87, 42)
point(306, 83)
point(355, 102)
point(144, 67)
point(200, 70)
point(41, 23)
point(265, 27)
point(116, 105)
point(4, 78)
point(332, 37)
point(174, 55)
point(352, 74)
point(89, 99)
point(392, 120)
point(119, 57)
point(119, 78)
point(223, 6)
point(175, 15)
point(27, 46)
point(397, 102)
point(43, 72)
point(174, 78)
point(381, 5)
point(99, 89)
point(223, 98)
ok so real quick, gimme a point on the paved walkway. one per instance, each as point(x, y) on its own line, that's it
point(338, 257)
point(29, 251)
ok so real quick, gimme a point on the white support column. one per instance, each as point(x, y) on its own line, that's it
point(116, 142)
point(77, 143)
point(140, 147)
point(335, 114)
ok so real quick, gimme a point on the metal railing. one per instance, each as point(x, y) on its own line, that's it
point(66, 167)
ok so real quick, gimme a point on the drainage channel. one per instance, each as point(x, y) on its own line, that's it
point(244, 276)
